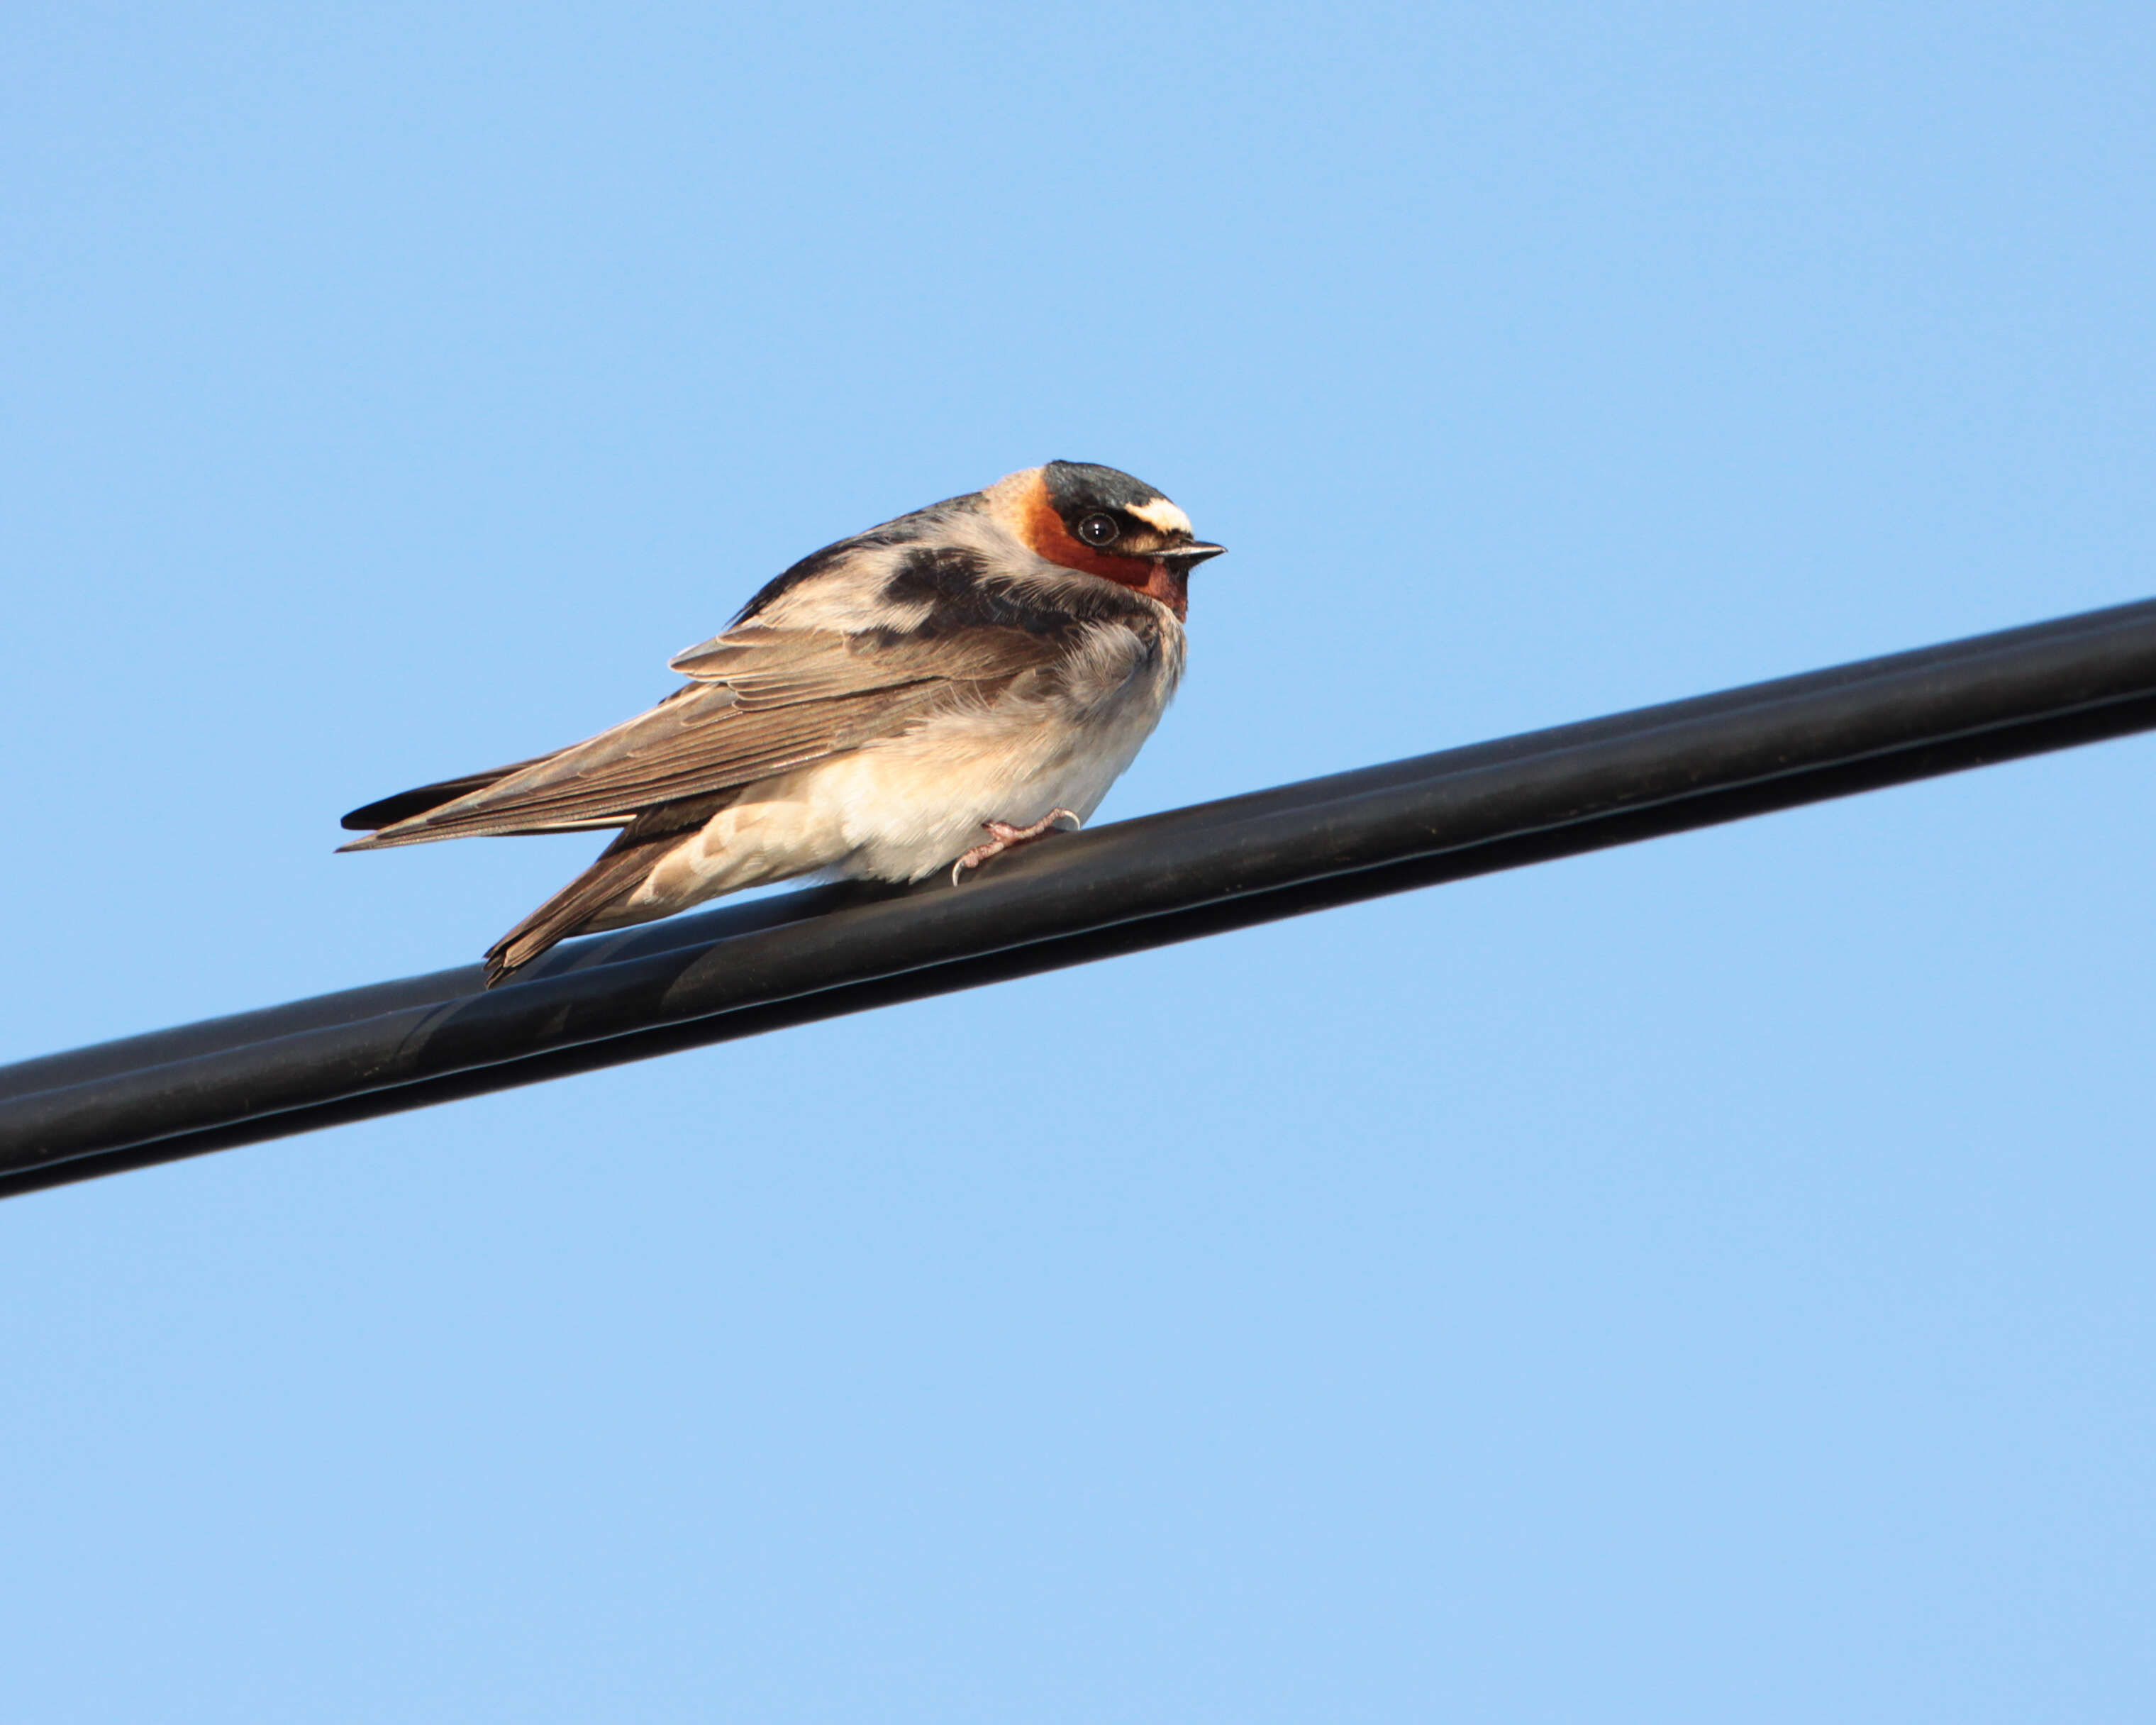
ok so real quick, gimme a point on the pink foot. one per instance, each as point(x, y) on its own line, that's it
point(1006, 837)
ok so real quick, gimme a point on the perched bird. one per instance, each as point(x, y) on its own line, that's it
point(990, 665)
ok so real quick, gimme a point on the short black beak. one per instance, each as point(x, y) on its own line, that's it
point(1187, 556)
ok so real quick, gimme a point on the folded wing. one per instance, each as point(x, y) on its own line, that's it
point(762, 701)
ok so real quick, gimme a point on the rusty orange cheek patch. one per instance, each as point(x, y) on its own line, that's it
point(1045, 531)
point(1172, 589)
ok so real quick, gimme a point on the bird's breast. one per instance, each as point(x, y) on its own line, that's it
point(909, 803)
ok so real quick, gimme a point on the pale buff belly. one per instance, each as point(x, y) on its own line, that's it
point(901, 810)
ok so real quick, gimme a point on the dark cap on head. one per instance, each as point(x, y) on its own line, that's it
point(1076, 486)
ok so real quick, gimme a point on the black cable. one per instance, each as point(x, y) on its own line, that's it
point(1139, 884)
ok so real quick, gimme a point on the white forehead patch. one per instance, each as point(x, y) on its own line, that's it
point(1161, 514)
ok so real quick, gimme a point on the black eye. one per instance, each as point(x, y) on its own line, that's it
point(1099, 530)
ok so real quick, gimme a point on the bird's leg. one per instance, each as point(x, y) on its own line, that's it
point(1004, 836)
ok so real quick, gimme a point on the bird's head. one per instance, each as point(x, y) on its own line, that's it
point(1105, 523)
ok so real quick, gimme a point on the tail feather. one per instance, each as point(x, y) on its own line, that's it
point(405, 805)
point(593, 900)
point(619, 871)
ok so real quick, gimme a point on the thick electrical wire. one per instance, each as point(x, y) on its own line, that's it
point(1123, 888)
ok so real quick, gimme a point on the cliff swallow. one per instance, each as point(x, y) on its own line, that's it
point(987, 665)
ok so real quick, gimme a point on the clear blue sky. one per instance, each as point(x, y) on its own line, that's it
point(1705, 1282)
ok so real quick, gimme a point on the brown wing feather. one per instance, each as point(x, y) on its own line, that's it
point(417, 801)
point(766, 701)
point(774, 667)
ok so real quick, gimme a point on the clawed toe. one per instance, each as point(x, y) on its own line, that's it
point(1004, 836)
